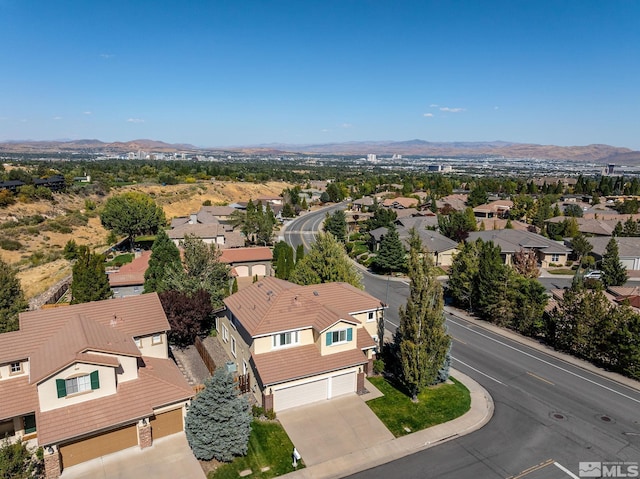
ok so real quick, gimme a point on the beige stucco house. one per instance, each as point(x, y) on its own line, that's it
point(300, 344)
point(90, 379)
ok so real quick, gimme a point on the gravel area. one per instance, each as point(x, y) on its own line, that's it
point(190, 363)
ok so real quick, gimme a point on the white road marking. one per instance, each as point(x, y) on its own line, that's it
point(566, 471)
point(478, 371)
point(548, 363)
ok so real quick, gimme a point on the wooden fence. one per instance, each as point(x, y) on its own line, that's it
point(204, 354)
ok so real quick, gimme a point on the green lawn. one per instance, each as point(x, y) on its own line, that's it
point(436, 405)
point(121, 259)
point(269, 446)
point(561, 271)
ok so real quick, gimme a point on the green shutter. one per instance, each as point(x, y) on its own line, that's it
point(95, 380)
point(349, 334)
point(62, 388)
point(329, 339)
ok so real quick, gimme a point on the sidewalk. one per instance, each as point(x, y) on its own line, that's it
point(480, 413)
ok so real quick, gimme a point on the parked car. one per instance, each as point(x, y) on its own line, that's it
point(594, 274)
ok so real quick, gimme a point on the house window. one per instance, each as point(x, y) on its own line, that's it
point(156, 339)
point(29, 423)
point(138, 342)
point(225, 333)
point(371, 316)
point(285, 339)
point(245, 368)
point(555, 257)
point(78, 384)
point(339, 337)
point(233, 346)
point(16, 368)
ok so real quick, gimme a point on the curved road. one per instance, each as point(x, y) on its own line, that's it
point(550, 415)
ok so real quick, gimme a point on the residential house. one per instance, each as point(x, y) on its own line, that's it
point(90, 379)
point(362, 204)
point(248, 262)
point(512, 241)
point(300, 344)
point(128, 280)
point(493, 209)
point(400, 203)
point(628, 250)
point(215, 233)
point(454, 202)
point(626, 294)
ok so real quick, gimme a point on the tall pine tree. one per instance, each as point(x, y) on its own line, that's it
point(89, 282)
point(164, 254)
point(391, 255)
point(218, 422)
point(422, 338)
point(613, 271)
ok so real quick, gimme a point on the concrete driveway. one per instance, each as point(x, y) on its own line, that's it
point(168, 458)
point(334, 428)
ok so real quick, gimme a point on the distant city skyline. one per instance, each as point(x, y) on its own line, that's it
point(228, 73)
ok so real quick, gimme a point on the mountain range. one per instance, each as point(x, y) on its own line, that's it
point(590, 153)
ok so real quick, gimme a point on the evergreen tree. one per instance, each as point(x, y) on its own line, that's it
point(463, 273)
point(457, 225)
point(12, 300)
point(581, 247)
point(299, 252)
point(164, 255)
point(17, 461)
point(391, 255)
point(234, 287)
point(201, 269)
point(422, 338)
point(326, 262)
point(89, 281)
point(336, 224)
point(382, 217)
point(218, 422)
point(283, 260)
point(477, 197)
point(613, 271)
point(492, 286)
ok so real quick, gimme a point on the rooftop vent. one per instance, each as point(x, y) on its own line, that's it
point(315, 293)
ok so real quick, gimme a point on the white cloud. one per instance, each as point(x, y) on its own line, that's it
point(57, 118)
point(86, 112)
point(433, 105)
point(346, 125)
point(135, 120)
point(452, 110)
point(496, 107)
point(428, 115)
point(107, 55)
point(325, 130)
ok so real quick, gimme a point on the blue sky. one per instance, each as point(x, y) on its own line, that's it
point(223, 73)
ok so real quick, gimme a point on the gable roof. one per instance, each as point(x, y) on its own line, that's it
point(272, 305)
point(512, 241)
point(131, 273)
point(240, 255)
point(132, 316)
point(78, 335)
point(628, 246)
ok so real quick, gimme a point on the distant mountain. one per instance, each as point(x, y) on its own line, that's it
point(593, 153)
point(416, 147)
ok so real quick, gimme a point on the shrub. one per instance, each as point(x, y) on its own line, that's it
point(10, 244)
point(378, 366)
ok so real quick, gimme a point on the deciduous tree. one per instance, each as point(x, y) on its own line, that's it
point(131, 214)
point(188, 315)
point(218, 422)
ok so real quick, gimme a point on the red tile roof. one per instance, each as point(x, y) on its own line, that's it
point(131, 274)
point(159, 384)
point(240, 255)
point(365, 341)
point(302, 362)
point(273, 305)
point(17, 397)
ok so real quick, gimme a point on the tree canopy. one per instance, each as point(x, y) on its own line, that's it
point(218, 422)
point(164, 256)
point(12, 300)
point(613, 271)
point(336, 224)
point(391, 256)
point(132, 214)
point(89, 281)
point(326, 262)
point(188, 315)
point(422, 338)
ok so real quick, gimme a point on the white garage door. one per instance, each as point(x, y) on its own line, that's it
point(242, 271)
point(300, 395)
point(259, 269)
point(343, 384)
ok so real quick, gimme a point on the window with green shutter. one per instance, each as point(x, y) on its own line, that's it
point(61, 387)
point(95, 380)
point(340, 336)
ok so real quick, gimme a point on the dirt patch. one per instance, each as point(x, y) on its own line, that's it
point(38, 261)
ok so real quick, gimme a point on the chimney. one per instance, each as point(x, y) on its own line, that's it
point(193, 219)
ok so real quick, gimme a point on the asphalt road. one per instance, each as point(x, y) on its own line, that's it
point(549, 414)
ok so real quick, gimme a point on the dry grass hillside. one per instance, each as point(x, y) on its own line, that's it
point(38, 260)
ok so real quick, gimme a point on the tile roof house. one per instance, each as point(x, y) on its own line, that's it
point(129, 279)
point(86, 380)
point(400, 202)
point(248, 262)
point(628, 249)
point(300, 344)
point(493, 209)
point(511, 241)
point(209, 233)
